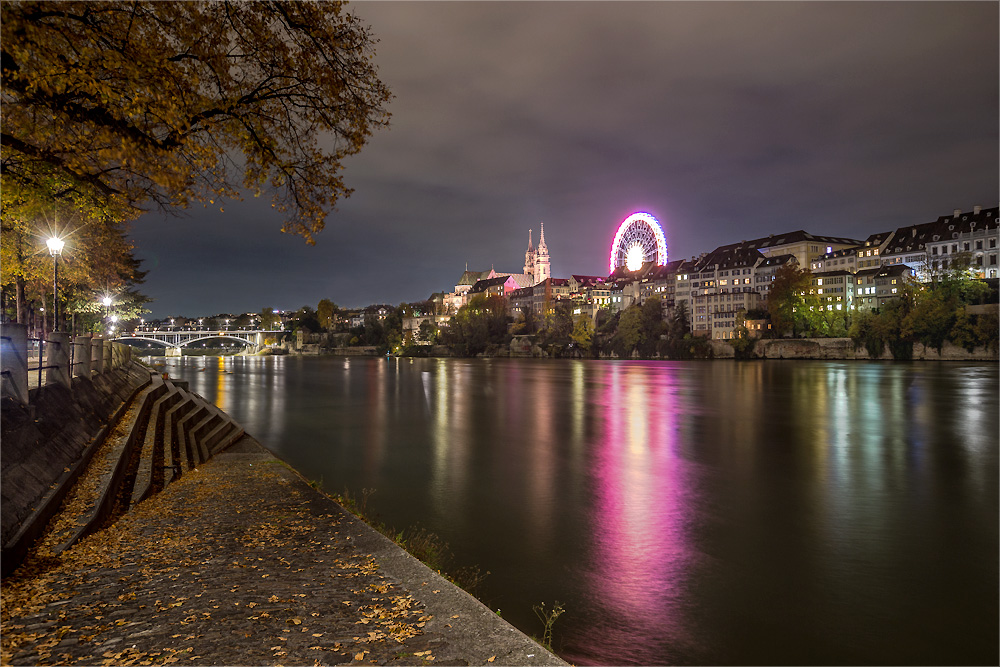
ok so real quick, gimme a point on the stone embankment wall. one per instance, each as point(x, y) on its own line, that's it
point(43, 442)
point(843, 348)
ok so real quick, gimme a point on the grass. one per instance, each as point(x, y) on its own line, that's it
point(424, 545)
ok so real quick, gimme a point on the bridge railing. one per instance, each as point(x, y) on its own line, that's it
point(61, 357)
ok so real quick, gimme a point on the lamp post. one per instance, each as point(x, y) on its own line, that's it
point(55, 245)
point(107, 309)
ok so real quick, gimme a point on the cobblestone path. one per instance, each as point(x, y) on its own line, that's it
point(240, 563)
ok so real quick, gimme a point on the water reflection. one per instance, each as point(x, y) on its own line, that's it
point(702, 513)
point(643, 552)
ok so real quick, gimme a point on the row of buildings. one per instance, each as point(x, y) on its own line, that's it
point(720, 286)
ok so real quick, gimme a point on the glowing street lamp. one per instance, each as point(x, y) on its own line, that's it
point(106, 301)
point(55, 245)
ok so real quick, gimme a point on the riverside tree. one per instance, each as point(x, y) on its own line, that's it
point(121, 105)
point(790, 302)
point(478, 326)
point(98, 260)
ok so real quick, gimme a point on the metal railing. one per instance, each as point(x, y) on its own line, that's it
point(29, 363)
point(36, 354)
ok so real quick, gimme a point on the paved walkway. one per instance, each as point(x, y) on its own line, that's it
point(241, 562)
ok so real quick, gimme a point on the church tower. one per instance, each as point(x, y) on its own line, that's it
point(529, 257)
point(543, 270)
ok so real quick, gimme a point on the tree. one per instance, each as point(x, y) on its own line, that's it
point(630, 331)
point(427, 331)
point(325, 312)
point(122, 104)
point(98, 260)
point(743, 343)
point(558, 324)
point(305, 318)
point(866, 331)
point(786, 301)
point(931, 319)
point(478, 325)
point(988, 331)
point(652, 325)
point(268, 319)
point(583, 332)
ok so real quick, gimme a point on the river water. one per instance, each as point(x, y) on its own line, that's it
point(778, 512)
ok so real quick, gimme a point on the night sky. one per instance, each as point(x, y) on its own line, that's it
point(727, 121)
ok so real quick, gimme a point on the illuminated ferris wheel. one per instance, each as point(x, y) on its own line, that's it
point(639, 240)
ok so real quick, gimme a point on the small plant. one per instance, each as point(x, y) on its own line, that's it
point(421, 543)
point(548, 618)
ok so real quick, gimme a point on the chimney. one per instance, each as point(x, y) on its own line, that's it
point(958, 212)
point(976, 210)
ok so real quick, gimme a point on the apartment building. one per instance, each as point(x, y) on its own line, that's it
point(835, 289)
point(969, 238)
point(717, 315)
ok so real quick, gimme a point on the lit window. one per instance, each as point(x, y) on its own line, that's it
point(819, 281)
point(893, 290)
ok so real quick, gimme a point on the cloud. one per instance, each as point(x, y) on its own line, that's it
point(726, 120)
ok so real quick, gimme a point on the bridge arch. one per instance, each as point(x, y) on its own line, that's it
point(150, 340)
point(245, 342)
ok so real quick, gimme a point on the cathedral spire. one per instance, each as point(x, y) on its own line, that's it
point(543, 265)
point(529, 257)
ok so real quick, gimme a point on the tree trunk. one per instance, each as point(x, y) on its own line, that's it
point(22, 306)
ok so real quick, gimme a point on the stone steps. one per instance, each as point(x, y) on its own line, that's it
point(171, 430)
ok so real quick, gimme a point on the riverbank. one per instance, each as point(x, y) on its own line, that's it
point(242, 562)
point(767, 348)
point(844, 349)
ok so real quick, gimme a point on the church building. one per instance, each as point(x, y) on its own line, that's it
point(536, 260)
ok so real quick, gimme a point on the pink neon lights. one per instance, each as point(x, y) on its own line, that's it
point(629, 228)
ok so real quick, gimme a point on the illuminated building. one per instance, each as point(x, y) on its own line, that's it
point(537, 263)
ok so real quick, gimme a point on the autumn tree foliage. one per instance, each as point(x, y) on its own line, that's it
point(123, 105)
point(98, 260)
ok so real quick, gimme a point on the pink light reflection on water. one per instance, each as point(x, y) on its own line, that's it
point(643, 551)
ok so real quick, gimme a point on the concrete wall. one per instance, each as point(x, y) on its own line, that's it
point(41, 441)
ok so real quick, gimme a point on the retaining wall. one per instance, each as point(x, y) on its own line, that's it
point(843, 348)
point(44, 442)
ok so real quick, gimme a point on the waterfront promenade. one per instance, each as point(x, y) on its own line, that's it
point(241, 562)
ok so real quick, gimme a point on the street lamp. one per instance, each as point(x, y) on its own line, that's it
point(55, 245)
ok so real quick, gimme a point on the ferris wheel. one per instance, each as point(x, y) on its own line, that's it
point(639, 240)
